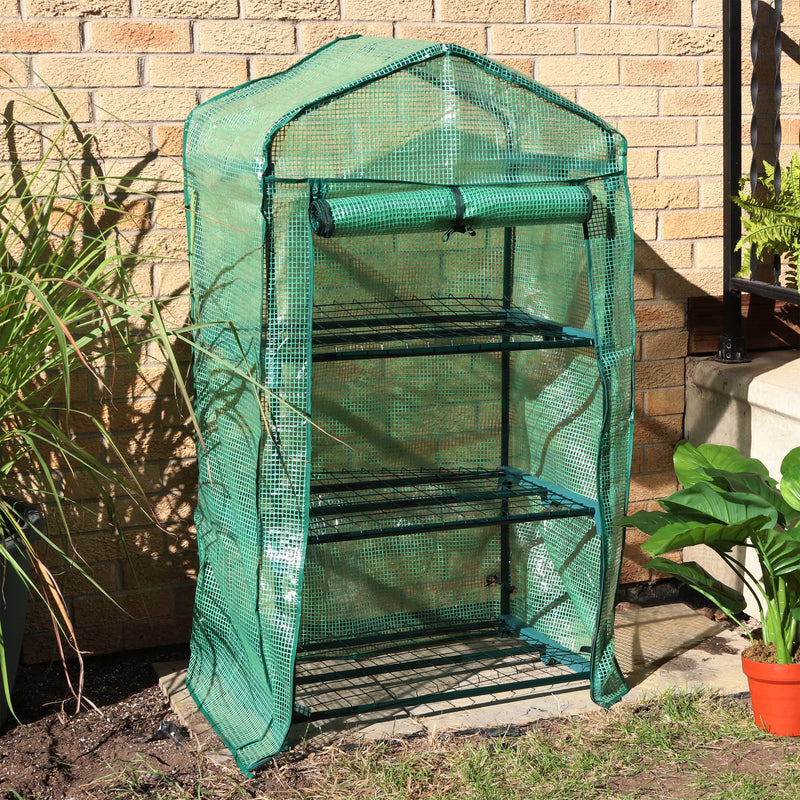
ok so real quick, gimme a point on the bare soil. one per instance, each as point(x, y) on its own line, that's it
point(56, 753)
point(59, 755)
point(765, 653)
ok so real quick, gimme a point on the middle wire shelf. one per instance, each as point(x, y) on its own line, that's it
point(433, 326)
point(346, 506)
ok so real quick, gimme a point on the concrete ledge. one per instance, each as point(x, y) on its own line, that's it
point(753, 406)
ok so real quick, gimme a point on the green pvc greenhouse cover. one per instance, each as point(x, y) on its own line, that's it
point(411, 181)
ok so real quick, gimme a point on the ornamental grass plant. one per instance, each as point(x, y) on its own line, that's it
point(69, 246)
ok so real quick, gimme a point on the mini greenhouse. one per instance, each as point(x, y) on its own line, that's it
point(411, 277)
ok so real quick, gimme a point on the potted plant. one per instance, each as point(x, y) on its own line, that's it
point(772, 222)
point(727, 501)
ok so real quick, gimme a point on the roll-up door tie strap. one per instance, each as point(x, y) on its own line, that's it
point(458, 222)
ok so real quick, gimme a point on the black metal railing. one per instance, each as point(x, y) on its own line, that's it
point(766, 48)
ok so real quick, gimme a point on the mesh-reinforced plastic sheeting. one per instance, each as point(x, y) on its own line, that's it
point(416, 431)
point(437, 209)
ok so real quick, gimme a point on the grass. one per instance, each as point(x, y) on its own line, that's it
point(679, 745)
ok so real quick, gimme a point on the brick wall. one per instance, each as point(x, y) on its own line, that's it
point(651, 67)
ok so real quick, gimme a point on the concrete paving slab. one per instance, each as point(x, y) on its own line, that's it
point(658, 648)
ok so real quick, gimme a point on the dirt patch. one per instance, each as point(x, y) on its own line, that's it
point(59, 754)
point(765, 653)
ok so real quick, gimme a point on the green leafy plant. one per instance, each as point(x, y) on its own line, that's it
point(67, 305)
point(772, 223)
point(729, 500)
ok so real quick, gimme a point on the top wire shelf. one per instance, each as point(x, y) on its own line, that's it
point(433, 326)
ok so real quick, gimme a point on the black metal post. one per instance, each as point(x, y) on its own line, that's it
point(505, 426)
point(731, 346)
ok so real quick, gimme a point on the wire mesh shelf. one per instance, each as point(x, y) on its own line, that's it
point(431, 673)
point(362, 505)
point(433, 326)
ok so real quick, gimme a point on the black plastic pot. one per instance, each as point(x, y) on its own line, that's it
point(13, 591)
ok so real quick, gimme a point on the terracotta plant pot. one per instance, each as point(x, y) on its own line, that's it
point(775, 696)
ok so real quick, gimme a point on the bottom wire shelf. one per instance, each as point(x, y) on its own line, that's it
point(448, 670)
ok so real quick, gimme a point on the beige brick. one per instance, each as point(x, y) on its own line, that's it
point(649, 132)
point(658, 457)
point(643, 285)
point(37, 36)
point(621, 101)
point(790, 103)
point(664, 194)
point(397, 10)
point(708, 254)
point(193, 9)
point(525, 67)
point(711, 71)
point(653, 12)
point(659, 345)
point(637, 460)
point(708, 14)
point(106, 574)
point(569, 12)
point(618, 39)
point(791, 133)
point(197, 71)
point(316, 34)
point(139, 37)
point(711, 131)
point(667, 429)
point(712, 194)
point(169, 140)
point(26, 141)
point(645, 224)
point(41, 647)
point(692, 102)
point(690, 282)
point(246, 37)
point(648, 487)
point(160, 175)
point(101, 639)
point(172, 282)
point(662, 255)
point(470, 36)
point(13, 71)
point(156, 633)
point(577, 70)
point(487, 11)
point(88, 70)
point(695, 224)
point(79, 8)
point(148, 105)
point(658, 402)
point(270, 65)
point(694, 42)
point(292, 9)
point(659, 316)
point(36, 105)
point(643, 71)
point(9, 8)
point(679, 161)
point(122, 607)
point(531, 40)
point(632, 570)
point(169, 212)
point(642, 163)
